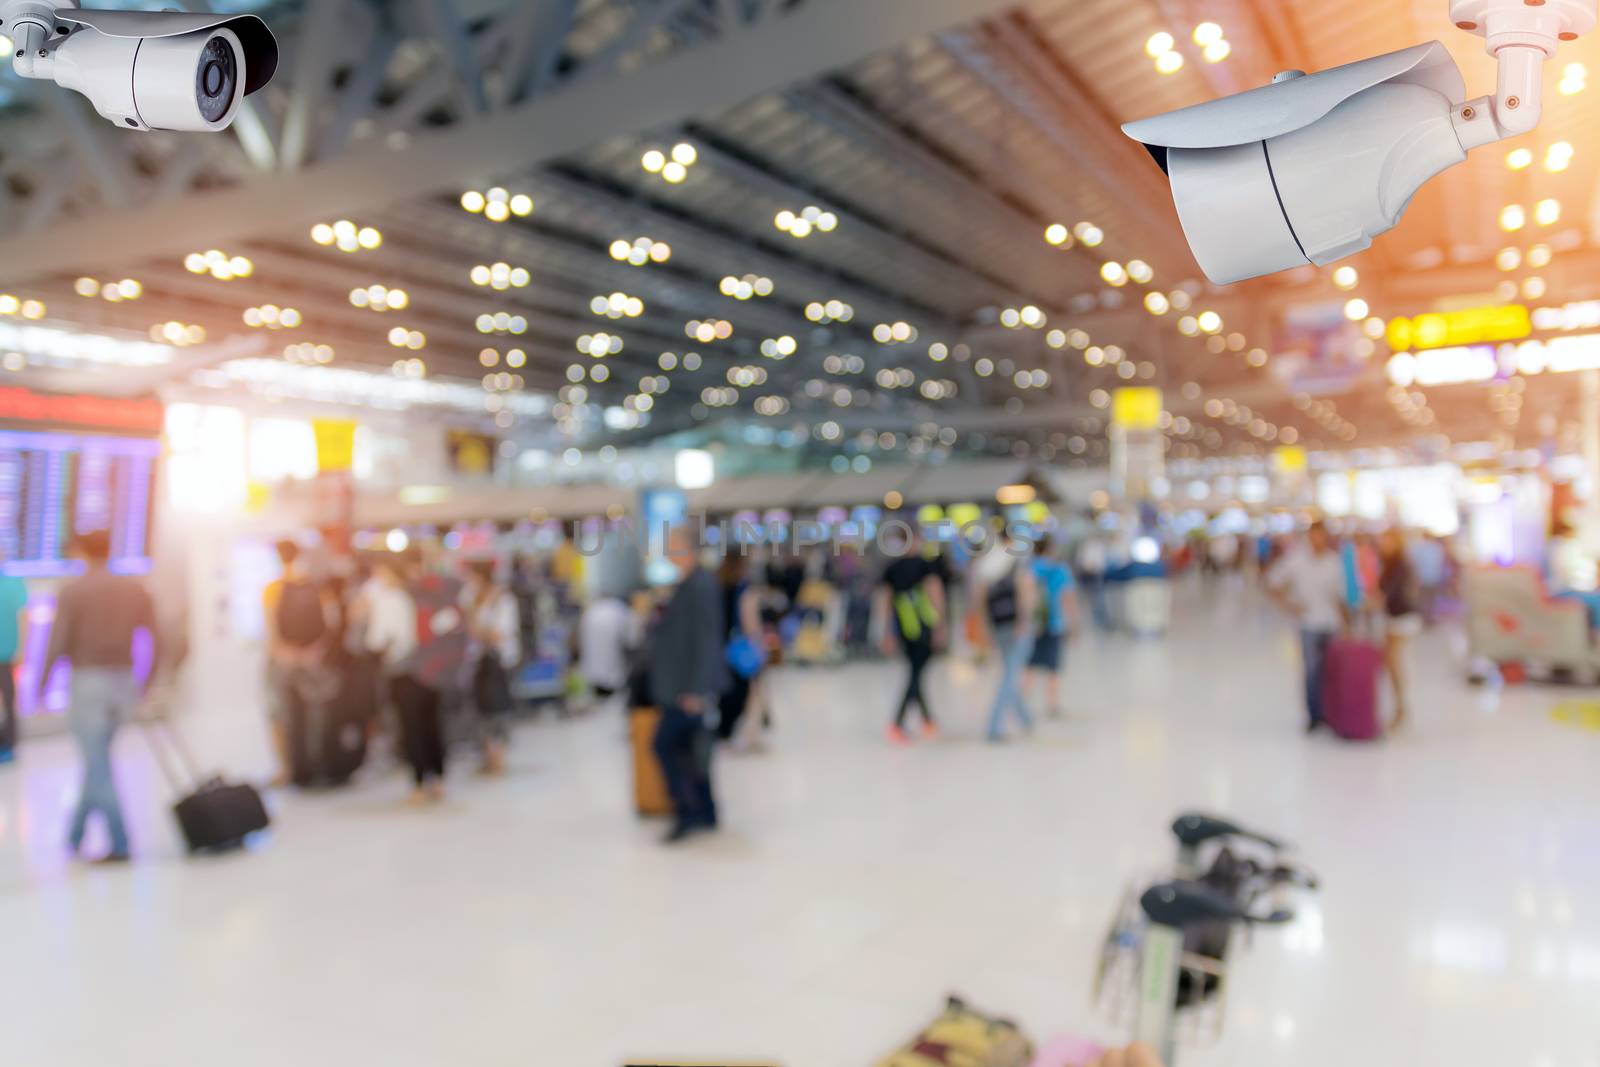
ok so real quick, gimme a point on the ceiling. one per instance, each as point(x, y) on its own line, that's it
point(945, 137)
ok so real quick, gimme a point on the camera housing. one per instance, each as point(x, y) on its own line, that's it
point(143, 70)
point(1313, 167)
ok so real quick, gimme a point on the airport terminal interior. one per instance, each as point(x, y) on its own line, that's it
point(775, 533)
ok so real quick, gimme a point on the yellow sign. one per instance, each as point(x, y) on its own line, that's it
point(1448, 329)
point(1289, 459)
point(1136, 408)
point(336, 443)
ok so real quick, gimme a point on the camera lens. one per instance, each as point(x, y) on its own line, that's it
point(216, 79)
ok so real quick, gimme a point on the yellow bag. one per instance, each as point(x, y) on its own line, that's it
point(962, 1037)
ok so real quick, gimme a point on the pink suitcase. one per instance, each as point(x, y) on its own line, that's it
point(1350, 678)
point(1068, 1051)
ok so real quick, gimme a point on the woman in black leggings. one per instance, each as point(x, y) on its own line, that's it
point(912, 596)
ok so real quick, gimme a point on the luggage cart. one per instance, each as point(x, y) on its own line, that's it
point(1164, 967)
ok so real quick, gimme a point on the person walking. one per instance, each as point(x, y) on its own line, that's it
point(911, 598)
point(97, 617)
point(745, 639)
point(1308, 582)
point(300, 620)
point(1057, 619)
point(13, 625)
point(609, 633)
point(688, 673)
point(1008, 594)
point(392, 633)
point(494, 628)
point(1401, 597)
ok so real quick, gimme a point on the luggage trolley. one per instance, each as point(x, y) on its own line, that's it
point(1164, 967)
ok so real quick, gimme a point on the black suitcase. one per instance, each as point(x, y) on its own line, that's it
point(217, 815)
point(328, 736)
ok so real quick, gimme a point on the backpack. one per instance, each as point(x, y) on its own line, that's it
point(301, 622)
point(1003, 607)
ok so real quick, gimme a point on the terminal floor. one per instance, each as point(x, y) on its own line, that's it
point(534, 920)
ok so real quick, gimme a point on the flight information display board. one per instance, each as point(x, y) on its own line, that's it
point(56, 485)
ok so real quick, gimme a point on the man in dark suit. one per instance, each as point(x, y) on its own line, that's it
point(688, 672)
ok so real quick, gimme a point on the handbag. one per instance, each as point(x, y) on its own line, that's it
point(744, 658)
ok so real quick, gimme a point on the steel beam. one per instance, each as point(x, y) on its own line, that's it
point(819, 36)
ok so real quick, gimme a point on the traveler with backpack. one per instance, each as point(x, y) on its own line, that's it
point(912, 596)
point(1007, 594)
point(495, 629)
point(300, 618)
point(432, 670)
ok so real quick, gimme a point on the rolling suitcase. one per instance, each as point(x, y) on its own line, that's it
point(214, 815)
point(650, 797)
point(1350, 676)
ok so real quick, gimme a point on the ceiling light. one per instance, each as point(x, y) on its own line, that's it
point(1508, 259)
point(1217, 51)
point(1159, 44)
point(1513, 218)
point(1346, 278)
point(653, 161)
point(1207, 33)
point(1114, 274)
point(1170, 62)
point(1156, 303)
point(473, 201)
point(1140, 271)
point(1547, 212)
point(1056, 234)
point(1355, 310)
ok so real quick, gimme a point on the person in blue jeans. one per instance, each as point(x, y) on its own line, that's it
point(13, 599)
point(1008, 594)
point(97, 616)
point(1056, 619)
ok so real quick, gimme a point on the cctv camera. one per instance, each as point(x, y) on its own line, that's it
point(145, 70)
point(1312, 167)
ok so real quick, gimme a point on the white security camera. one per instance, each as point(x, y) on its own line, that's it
point(144, 70)
point(1312, 167)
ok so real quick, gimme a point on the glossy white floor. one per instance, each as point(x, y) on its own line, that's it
point(534, 920)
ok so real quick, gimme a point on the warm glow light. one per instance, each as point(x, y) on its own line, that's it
point(1159, 44)
point(1209, 321)
point(1169, 62)
point(1346, 278)
point(1217, 51)
point(1207, 33)
point(1513, 218)
point(1519, 158)
point(1157, 303)
point(473, 201)
point(1057, 234)
point(1355, 310)
point(1508, 259)
point(1547, 212)
point(1114, 274)
point(653, 161)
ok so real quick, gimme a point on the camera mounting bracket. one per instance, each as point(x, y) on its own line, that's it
point(1521, 35)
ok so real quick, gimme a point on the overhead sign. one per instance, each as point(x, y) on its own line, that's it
point(336, 444)
point(1136, 408)
point(1289, 459)
point(85, 412)
point(1482, 363)
point(1472, 326)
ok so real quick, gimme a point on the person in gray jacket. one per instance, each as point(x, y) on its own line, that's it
point(688, 672)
